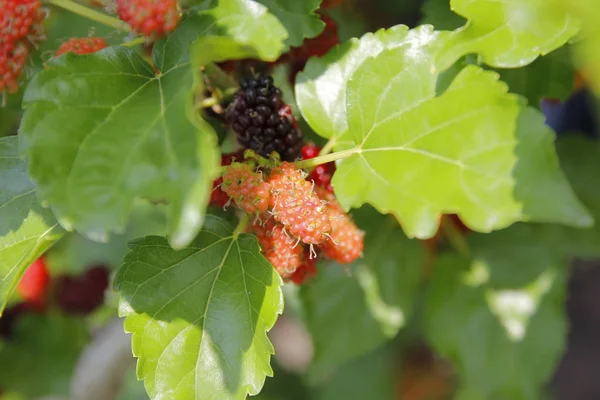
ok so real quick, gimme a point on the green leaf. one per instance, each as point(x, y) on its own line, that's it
point(199, 316)
point(518, 334)
point(235, 29)
point(587, 50)
point(41, 354)
point(130, 134)
point(321, 87)
point(483, 157)
point(375, 295)
point(509, 33)
point(27, 230)
point(298, 17)
point(549, 76)
point(438, 14)
point(580, 159)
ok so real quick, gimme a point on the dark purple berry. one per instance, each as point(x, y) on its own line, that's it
point(254, 115)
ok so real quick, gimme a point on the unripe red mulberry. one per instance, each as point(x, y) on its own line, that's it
point(281, 250)
point(86, 45)
point(346, 240)
point(246, 187)
point(296, 206)
point(151, 18)
point(20, 29)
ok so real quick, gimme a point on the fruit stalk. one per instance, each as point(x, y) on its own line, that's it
point(91, 14)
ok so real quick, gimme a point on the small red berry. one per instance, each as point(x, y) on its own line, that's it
point(82, 46)
point(33, 287)
point(152, 18)
point(306, 270)
point(310, 151)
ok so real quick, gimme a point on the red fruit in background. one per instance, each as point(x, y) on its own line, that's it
point(151, 18)
point(86, 45)
point(331, 3)
point(82, 294)
point(20, 29)
point(33, 287)
point(317, 46)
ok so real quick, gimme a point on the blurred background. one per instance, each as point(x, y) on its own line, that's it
point(93, 360)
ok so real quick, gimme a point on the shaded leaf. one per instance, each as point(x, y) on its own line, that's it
point(41, 354)
point(27, 230)
point(110, 153)
point(480, 153)
point(368, 377)
point(518, 334)
point(350, 311)
point(438, 14)
point(299, 18)
point(199, 316)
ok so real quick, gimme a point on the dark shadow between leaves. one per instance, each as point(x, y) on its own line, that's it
point(216, 284)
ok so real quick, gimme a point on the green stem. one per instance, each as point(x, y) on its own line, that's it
point(456, 239)
point(313, 162)
point(328, 147)
point(219, 78)
point(91, 14)
point(208, 102)
point(134, 42)
point(241, 226)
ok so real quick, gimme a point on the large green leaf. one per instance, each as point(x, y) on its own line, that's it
point(470, 151)
point(130, 133)
point(375, 296)
point(517, 334)
point(235, 29)
point(39, 358)
point(298, 17)
point(321, 87)
point(508, 33)
point(27, 230)
point(200, 316)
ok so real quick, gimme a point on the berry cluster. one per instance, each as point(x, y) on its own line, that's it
point(262, 121)
point(20, 29)
point(86, 45)
point(294, 218)
point(151, 18)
